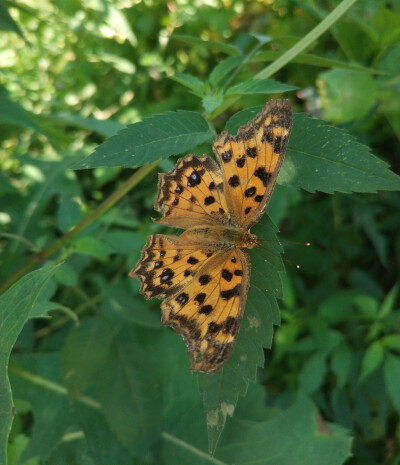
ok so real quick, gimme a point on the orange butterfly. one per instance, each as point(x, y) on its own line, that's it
point(203, 275)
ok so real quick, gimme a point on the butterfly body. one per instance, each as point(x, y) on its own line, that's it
point(222, 237)
point(203, 275)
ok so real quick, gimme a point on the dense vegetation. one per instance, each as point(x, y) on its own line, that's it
point(93, 377)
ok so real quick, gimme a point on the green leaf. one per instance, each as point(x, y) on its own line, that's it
point(35, 377)
point(373, 358)
point(67, 276)
point(156, 137)
point(313, 373)
point(223, 68)
point(259, 86)
point(327, 159)
point(341, 363)
point(93, 338)
point(388, 304)
point(391, 371)
point(300, 429)
point(190, 81)
point(6, 21)
point(93, 247)
point(106, 128)
point(212, 44)
point(321, 157)
point(211, 102)
point(221, 390)
point(346, 95)
point(129, 391)
point(69, 213)
point(16, 305)
point(391, 341)
point(13, 113)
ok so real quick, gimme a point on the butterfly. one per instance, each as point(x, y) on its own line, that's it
point(203, 275)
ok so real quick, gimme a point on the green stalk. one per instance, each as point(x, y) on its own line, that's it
point(67, 238)
point(298, 48)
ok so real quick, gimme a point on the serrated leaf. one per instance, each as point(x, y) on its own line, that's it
point(269, 441)
point(155, 137)
point(221, 390)
point(15, 307)
point(259, 86)
point(323, 158)
point(391, 371)
point(328, 159)
point(189, 81)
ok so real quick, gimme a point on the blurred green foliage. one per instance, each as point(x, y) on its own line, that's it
point(101, 381)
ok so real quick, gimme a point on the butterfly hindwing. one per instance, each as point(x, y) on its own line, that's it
point(251, 161)
point(167, 265)
point(208, 311)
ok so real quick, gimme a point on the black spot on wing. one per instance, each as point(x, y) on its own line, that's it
point(209, 200)
point(206, 309)
point(204, 279)
point(251, 152)
point(262, 174)
point(200, 298)
point(250, 191)
point(226, 274)
point(230, 293)
point(234, 180)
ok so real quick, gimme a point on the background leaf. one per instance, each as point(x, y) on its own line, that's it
point(156, 137)
point(15, 307)
point(259, 86)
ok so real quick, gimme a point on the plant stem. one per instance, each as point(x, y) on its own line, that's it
point(140, 174)
point(298, 48)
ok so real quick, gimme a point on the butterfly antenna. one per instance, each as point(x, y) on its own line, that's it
point(280, 256)
point(285, 242)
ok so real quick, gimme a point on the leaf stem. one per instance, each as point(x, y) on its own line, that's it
point(193, 450)
point(140, 174)
point(51, 386)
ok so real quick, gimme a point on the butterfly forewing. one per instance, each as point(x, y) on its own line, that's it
point(192, 193)
point(251, 161)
